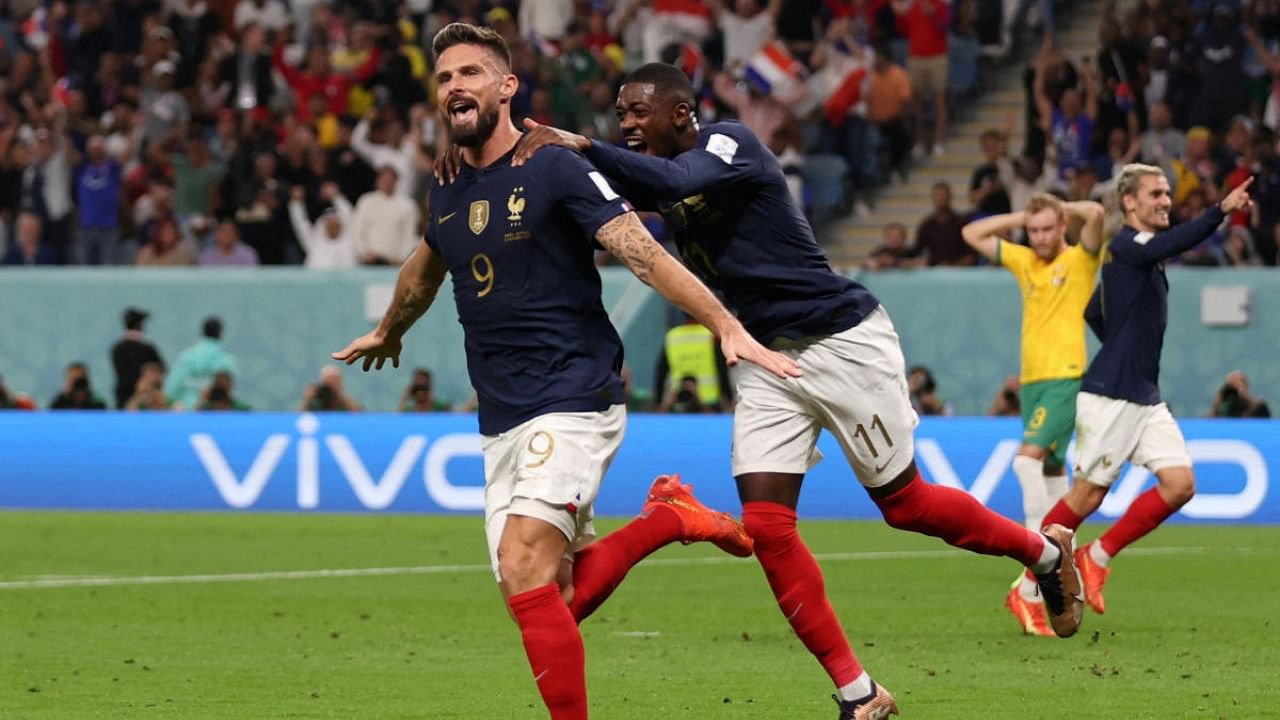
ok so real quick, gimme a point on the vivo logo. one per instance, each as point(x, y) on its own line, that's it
point(372, 494)
point(1204, 506)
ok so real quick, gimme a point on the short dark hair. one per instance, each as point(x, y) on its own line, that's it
point(466, 34)
point(212, 328)
point(667, 80)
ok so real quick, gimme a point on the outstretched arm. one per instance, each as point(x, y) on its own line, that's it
point(416, 287)
point(1092, 214)
point(1148, 249)
point(631, 243)
point(983, 235)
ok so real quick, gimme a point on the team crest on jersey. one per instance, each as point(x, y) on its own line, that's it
point(478, 216)
point(515, 205)
point(1059, 276)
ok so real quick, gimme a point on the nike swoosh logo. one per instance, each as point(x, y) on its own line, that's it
point(880, 468)
point(445, 218)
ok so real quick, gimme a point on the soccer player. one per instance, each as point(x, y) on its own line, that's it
point(1119, 414)
point(1056, 280)
point(737, 227)
point(545, 360)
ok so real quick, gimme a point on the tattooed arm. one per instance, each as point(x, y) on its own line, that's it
point(631, 243)
point(416, 287)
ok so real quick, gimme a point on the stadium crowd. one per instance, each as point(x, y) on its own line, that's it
point(1191, 86)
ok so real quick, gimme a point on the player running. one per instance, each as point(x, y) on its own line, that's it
point(1056, 280)
point(545, 360)
point(1119, 414)
point(737, 227)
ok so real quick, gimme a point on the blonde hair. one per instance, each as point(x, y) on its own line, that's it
point(1045, 201)
point(1131, 175)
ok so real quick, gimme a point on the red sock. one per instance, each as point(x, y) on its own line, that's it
point(957, 518)
point(1062, 514)
point(600, 567)
point(554, 648)
point(797, 583)
point(1143, 515)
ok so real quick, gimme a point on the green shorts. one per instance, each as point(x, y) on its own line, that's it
point(1049, 417)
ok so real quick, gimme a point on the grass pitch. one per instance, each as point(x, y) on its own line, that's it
point(100, 618)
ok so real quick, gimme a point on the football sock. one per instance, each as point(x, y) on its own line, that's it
point(1062, 514)
point(1048, 558)
point(1143, 515)
point(599, 568)
point(1028, 588)
point(1035, 497)
point(796, 581)
point(1055, 487)
point(857, 689)
point(960, 520)
point(1100, 556)
point(554, 648)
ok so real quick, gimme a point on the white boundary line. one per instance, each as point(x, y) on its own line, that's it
point(46, 581)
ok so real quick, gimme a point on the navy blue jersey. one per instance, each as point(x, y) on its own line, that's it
point(518, 242)
point(737, 227)
point(1130, 309)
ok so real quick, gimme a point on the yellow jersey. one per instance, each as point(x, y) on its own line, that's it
point(1054, 295)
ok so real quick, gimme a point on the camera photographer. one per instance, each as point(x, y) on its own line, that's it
point(327, 395)
point(148, 392)
point(76, 392)
point(1235, 401)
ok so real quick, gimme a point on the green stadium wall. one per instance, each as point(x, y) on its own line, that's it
point(282, 324)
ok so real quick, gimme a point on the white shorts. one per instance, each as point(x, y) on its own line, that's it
point(1111, 431)
point(549, 468)
point(854, 385)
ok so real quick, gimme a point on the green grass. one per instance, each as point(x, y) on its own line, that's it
point(1190, 634)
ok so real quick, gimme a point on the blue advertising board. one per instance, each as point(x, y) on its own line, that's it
point(432, 464)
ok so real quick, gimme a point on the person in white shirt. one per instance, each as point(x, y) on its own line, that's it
point(545, 18)
point(328, 242)
point(747, 25)
point(270, 14)
point(398, 150)
point(385, 225)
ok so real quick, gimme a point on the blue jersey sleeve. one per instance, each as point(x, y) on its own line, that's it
point(583, 190)
point(434, 200)
point(1145, 249)
point(723, 155)
point(1094, 316)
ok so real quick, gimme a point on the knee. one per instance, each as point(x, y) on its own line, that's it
point(768, 528)
point(1177, 488)
point(1084, 497)
point(521, 568)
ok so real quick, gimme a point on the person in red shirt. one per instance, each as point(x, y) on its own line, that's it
point(925, 24)
point(320, 79)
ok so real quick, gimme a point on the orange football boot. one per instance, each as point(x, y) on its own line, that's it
point(698, 522)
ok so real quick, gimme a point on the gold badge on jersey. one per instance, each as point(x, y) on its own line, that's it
point(478, 216)
point(515, 205)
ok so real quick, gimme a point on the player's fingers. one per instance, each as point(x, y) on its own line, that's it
point(368, 361)
point(395, 361)
point(530, 123)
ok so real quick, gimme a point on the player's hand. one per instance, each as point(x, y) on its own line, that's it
point(448, 165)
point(737, 344)
point(539, 135)
point(1238, 199)
point(375, 348)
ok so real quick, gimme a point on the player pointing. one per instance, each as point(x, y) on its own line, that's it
point(1119, 414)
point(545, 360)
point(1056, 280)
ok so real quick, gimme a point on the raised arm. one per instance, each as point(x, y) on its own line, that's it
point(1148, 249)
point(983, 235)
point(416, 287)
point(1092, 214)
point(633, 246)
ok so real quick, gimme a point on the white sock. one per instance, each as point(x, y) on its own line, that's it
point(1028, 589)
point(857, 689)
point(1035, 498)
point(1099, 555)
point(1055, 487)
point(1048, 557)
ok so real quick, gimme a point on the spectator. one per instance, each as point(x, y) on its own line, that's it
point(219, 394)
point(746, 27)
point(684, 398)
point(1162, 142)
point(27, 248)
point(131, 354)
point(925, 24)
point(420, 394)
point(227, 250)
point(196, 177)
point(396, 150)
point(672, 22)
point(1238, 249)
point(1007, 402)
point(271, 15)
point(385, 224)
point(319, 80)
point(77, 394)
point(845, 128)
point(327, 395)
point(1068, 125)
point(894, 253)
point(166, 113)
point(148, 392)
point(691, 363)
point(939, 235)
point(987, 194)
point(1028, 177)
point(546, 20)
point(46, 189)
point(197, 366)
point(248, 70)
point(166, 248)
point(329, 243)
point(347, 168)
point(99, 178)
point(1219, 51)
point(769, 117)
point(923, 391)
point(888, 99)
point(1235, 401)
point(10, 400)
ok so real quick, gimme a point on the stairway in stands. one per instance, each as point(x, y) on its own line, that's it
point(848, 241)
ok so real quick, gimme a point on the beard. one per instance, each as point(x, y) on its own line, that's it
point(479, 132)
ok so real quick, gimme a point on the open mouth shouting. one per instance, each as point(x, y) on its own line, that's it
point(637, 143)
point(463, 111)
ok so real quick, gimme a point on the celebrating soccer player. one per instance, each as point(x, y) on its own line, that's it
point(1119, 414)
point(737, 227)
point(545, 360)
point(1056, 280)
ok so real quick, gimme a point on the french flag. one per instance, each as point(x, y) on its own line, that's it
point(773, 71)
